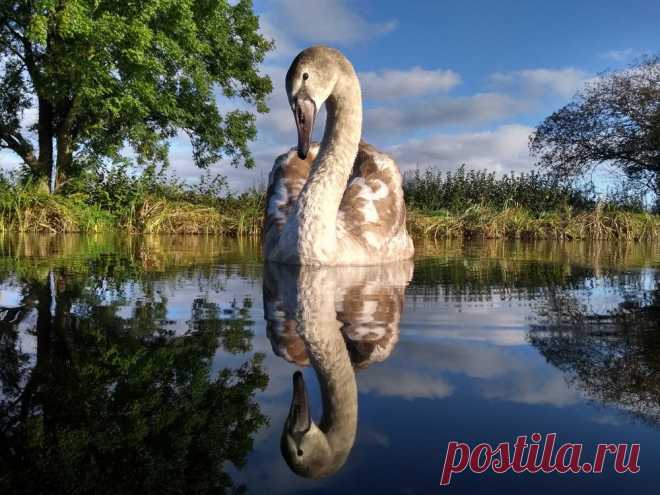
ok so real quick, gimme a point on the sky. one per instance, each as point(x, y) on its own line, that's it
point(444, 82)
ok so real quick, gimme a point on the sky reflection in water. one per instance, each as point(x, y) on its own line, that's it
point(494, 340)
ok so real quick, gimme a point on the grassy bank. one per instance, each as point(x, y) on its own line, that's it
point(519, 223)
point(242, 216)
point(481, 204)
point(451, 205)
point(144, 204)
point(41, 212)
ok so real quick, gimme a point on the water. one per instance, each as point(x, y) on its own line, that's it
point(165, 365)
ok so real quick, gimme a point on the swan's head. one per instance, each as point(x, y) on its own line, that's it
point(309, 82)
point(305, 447)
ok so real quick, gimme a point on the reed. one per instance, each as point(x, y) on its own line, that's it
point(29, 209)
point(456, 205)
point(432, 190)
point(518, 223)
point(481, 204)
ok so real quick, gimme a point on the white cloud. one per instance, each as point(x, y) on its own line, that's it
point(278, 122)
point(475, 109)
point(477, 359)
point(539, 82)
point(325, 21)
point(501, 150)
point(9, 161)
point(619, 55)
point(387, 84)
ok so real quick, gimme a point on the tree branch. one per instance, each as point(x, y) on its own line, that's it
point(18, 144)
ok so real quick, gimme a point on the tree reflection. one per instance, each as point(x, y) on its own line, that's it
point(613, 356)
point(108, 404)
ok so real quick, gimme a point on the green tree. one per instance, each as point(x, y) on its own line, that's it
point(104, 74)
point(614, 119)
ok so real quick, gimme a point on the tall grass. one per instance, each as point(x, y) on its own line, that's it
point(234, 216)
point(518, 223)
point(137, 204)
point(30, 209)
point(433, 190)
point(472, 204)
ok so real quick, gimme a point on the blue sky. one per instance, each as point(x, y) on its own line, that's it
point(450, 82)
point(445, 82)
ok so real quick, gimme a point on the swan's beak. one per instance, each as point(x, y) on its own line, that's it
point(305, 113)
point(299, 418)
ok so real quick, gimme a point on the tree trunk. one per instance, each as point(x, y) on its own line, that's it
point(65, 145)
point(41, 168)
point(41, 372)
point(62, 168)
point(657, 193)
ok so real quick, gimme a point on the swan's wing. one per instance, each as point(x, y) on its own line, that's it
point(372, 209)
point(285, 182)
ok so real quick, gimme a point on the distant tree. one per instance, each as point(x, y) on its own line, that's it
point(100, 75)
point(614, 119)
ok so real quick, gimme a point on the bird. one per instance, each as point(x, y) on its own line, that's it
point(339, 320)
point(339, 202)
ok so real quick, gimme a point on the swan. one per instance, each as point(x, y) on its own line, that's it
point(337, 319)
point(340, 202)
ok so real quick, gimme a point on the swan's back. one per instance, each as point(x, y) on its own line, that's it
point(372, 215)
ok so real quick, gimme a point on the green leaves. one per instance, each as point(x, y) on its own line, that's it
point(138, 73)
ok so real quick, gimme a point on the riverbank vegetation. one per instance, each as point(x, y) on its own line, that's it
point(468, 203)
point(117, 200)
point(463, 203)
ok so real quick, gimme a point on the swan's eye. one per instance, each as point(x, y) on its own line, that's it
point(305, 76)
point(300, 452)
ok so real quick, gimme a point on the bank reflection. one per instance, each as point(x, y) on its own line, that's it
point(337, 320)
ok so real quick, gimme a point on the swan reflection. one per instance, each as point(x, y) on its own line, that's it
point(336, 319)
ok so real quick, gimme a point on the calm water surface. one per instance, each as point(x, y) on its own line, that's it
point(165, 365)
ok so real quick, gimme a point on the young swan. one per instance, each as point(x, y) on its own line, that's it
point(340, 203)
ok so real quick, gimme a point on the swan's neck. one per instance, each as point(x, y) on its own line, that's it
point(319, 201)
